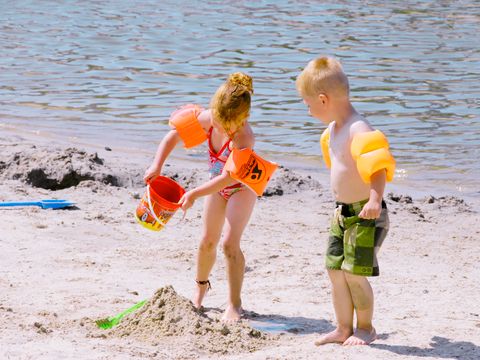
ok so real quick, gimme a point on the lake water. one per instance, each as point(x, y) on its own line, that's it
point(111, 72)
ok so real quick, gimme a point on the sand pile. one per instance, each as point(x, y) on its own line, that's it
point(55, 169)
point(422, 207)
point(168, 314)
point(286, 181)
point(188, 178)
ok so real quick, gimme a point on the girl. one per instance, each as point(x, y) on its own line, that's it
point(228, 203)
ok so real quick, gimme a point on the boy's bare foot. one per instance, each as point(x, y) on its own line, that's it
point(200, 292)
point(232, 314)
point(335, 336)
point(361, 337)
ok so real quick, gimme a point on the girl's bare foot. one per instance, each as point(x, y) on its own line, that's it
point(232, 314)
point(202, 288)
point(361, 337)
point(335, 336)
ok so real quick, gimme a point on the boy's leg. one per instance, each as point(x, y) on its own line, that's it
point(239, 209)
point(343, 306)
point(213, 220)
point(363, 239)
point(341, 298)
point(362, 296)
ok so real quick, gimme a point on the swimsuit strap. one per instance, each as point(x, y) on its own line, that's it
point(210, 147)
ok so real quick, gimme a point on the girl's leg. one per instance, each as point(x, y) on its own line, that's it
point(239, 209)
point(213, 220)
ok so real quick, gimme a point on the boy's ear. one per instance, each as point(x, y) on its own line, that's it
point(323, 99)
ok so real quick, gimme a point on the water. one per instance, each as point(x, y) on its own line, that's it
point(111, 72)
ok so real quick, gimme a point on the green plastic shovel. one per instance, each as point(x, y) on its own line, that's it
point(110, 322)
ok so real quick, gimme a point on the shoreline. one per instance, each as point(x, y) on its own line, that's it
point(306, 166)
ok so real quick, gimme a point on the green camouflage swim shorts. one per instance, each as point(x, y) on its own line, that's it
point(353, 242)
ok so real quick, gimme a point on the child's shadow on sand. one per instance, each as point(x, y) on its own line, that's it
point(291, 324)
point(441, 348)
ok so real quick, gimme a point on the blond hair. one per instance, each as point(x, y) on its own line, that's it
point(231, 103)
point(323, 75)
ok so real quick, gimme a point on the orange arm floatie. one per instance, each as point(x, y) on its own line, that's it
point(185, 121)
point(371, 152)
point(324, 143)
point(250, 169)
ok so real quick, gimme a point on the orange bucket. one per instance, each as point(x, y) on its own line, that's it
point(159, 203)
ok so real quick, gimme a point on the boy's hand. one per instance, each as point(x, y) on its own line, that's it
point(371, 210)
point(151, 173)
point(187, 200)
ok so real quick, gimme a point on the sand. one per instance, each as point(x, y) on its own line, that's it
point(63, 269)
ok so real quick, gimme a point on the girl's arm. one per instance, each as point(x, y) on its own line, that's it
point(243, 139)
point(164, 149)
point(212, 186)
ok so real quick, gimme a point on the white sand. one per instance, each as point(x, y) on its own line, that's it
point(62, 269)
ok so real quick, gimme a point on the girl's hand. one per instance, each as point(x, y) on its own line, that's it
point(151, 173)
point(371, 210)
point(187, 200)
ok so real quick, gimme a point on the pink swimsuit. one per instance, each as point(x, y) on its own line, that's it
point(216, 164)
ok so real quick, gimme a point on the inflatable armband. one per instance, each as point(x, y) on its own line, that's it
point(370, 151)
point(185, 121)
point(250, 169)
point(324, 143)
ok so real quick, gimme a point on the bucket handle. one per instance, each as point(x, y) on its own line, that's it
point(151, 207)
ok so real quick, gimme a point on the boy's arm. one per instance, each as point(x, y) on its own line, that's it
point(373, 208)
point(164, 149)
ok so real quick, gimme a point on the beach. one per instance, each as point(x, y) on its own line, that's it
point(63, 269)
point(86, 93)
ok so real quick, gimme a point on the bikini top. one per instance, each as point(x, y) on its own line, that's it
point(217, 158)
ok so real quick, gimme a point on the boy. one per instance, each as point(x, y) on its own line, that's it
point(360, 164)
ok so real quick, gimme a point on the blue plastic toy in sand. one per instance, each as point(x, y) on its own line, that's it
point(271, 326)
point(44, 204)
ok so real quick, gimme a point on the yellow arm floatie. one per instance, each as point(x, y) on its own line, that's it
point(324, 143)
point(371, 153)
point(185, 121)
point(250, 169)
